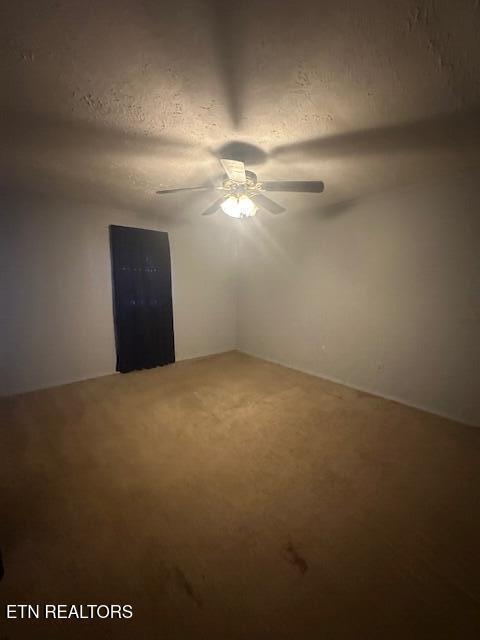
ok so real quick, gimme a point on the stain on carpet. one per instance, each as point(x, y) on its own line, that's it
point(294, 558)
point(186, 586)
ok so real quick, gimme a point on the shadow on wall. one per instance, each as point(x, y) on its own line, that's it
point(226, 23)
point(32, 131)
point(89, 162)
point(229, 40)
point(82, 161)
point(402, 182)
point(458, 132)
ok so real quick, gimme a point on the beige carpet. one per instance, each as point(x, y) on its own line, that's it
point(232, 498)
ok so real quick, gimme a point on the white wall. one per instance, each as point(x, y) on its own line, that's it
point(384, 296)
point(56, 308)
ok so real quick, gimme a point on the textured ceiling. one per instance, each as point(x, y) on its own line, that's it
point(108, 101)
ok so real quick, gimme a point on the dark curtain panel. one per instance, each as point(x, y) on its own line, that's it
point(142, 298)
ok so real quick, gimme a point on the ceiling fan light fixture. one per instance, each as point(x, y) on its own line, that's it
point(247, 207)
point(239, 207)
point(230, 207)
point(240, 185)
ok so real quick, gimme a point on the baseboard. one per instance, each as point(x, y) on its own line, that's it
point(62, 383)
point(207, 356)
point(362, 389)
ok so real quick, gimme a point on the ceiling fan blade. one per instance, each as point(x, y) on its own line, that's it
point(202, 188)
point(268, 204)
point(213, 207)
point(294, 186)
point(234, 169)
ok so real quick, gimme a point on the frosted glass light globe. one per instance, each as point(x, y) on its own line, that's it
point(247, 207)
point(242, 207)
point(231, 207)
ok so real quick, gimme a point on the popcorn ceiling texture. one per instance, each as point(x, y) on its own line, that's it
point(108, 101)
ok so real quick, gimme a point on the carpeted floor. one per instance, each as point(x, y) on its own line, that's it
point(232, 498)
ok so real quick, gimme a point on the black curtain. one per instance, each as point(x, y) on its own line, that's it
point(142, 298)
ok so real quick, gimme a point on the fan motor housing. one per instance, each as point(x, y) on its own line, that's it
point(238, 188)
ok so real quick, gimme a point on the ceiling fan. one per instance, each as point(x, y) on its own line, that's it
point(242, 192)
